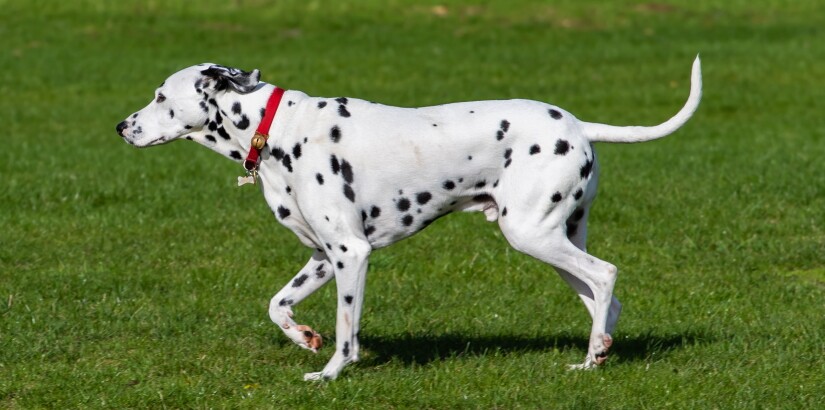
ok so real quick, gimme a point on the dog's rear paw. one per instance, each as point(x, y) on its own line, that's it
point(598, 355)
point(587, 365)
point(601, 354)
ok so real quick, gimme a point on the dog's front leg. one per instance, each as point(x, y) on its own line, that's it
point(349, 259)
point(316, 273)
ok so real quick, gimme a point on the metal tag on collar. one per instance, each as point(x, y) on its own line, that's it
point(250, 178)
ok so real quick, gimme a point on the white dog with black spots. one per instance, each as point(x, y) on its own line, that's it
point(348, 176)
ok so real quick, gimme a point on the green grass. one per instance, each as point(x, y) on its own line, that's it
point(140, 278)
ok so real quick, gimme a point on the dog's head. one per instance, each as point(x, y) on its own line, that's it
point(183, 102)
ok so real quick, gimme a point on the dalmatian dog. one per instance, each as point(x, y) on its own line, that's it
point(347, 176)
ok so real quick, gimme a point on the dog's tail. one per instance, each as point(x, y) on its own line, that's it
point(609, 133)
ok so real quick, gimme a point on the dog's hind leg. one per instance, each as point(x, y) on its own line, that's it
point(577, 233)
point(548, 242)
point(316, 273)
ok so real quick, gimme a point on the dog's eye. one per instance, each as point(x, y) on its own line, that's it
point(161, 98)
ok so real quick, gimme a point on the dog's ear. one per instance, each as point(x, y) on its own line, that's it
point(239, 80)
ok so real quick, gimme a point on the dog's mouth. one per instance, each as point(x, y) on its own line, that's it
point(141, 144)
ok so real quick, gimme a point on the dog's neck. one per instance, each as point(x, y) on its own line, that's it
point(232, 120)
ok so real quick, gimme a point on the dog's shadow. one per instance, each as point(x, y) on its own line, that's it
point(421, 350)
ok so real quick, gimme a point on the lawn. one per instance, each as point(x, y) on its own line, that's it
point(141, 278)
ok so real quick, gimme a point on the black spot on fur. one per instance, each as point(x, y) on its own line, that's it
point(263, 112)
point(407, 220)
point(500, 135)
point(288, 189)
point(363, 215)
point(505, 125)
point(504, 211)
point(319, 178)
point(349, 193)
point(586, 169)
point(481, 184)
point(375, 212)
point(286, 302)
point(335, 134)
point(171, 113)
point(578, 215)
point(369, 230)
point(236, 107)
point(222, 132)
point(562, 146)
point(213, 126)
point(346, 349)
point(578, 194)
point(348, 299)
point(469, 157)
point(296, 151)
point(287, 161)
point(342, 111)
point(423, 197)
point(556, 197)
point(336, 166)
point(204, 107)
point(210, 138)
point(278, 153)
point(340, 265)
point(342, 100)
point(320, 273)
point(535, 149)
point(299, 281)
point(213, 102)
point(243, 123)
point(346, 171)
point(283, 212)
point(322, 104)
point(343, 248)
point(507, 153)
point(508, 162)
point(448, 185)
point(403, 204)
point(554, 114)
point(289, 103)
point(235, 155)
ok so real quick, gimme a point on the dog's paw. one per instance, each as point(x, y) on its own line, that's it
point(318, 376)
point(600, 355)
point(310, 339)
point(597, 354)
point(587, 365)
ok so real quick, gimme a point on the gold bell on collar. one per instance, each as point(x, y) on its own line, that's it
point(258, 141)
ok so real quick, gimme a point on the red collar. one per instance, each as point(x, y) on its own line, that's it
point(262, 133)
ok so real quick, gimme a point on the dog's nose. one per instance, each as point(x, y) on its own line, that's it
point(120, 127)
